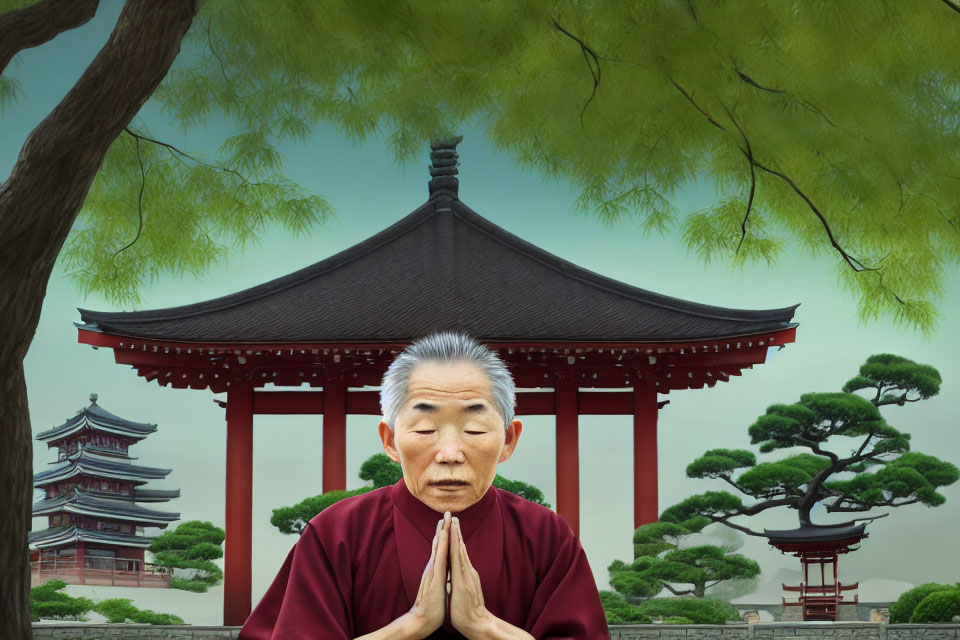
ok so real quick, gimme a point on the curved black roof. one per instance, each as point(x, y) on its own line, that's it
point(97, 418)
point(816, 533)
point(441, 267)
point(96, 466)
point(85, 503)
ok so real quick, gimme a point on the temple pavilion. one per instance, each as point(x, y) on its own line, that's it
point(577, 343)
point(821, 594)
point(95, 533)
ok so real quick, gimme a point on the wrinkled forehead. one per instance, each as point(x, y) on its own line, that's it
point(457, 380)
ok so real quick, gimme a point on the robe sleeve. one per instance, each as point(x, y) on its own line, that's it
point(310, 593)
point(566, 604)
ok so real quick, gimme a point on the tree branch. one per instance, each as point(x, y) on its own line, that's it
point(815, 447)
point(674, 591)
point(588, 53)
point(38, 23)
point(703, 112)
point(177, 152)
point(863, 446)
point(733, 484)
point(143, 184)
point(753, 176)
point(855, 264)
point(724, 521)
point(953, 5)
point(885, 503)
point(753, 83)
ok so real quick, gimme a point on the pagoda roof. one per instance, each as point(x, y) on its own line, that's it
point(83, 503)
point(816, 533)
point(94, 465)
point(155, 495)
point(59, 536)
point(97, 418)
point(441, 267)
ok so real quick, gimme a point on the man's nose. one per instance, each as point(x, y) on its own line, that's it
point(450, 450)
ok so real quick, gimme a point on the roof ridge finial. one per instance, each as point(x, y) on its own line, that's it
point(93, 398)
point(443, 165)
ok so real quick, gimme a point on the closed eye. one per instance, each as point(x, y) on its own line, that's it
point(476, 433)
point(425, 431)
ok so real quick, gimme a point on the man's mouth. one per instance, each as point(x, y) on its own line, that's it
point(448, 483)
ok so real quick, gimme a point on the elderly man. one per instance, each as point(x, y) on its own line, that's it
point(442, 553)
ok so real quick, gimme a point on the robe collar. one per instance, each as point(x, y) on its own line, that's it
point(415, 524)
point(425, 519)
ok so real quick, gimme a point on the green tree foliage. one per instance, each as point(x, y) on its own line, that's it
point(191, 548)
point(692, 610)
point(901, 611)
point(880, 470)
point(619, 611)
point(294, 519)
point(119, 610)
point(47, 601)
point(380, 470)
point(628, 101)
point(116, 610)
point(660, 563)
point(939, 606)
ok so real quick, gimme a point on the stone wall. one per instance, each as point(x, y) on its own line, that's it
point(774, 631)
point(788, 631)
point(130, 632)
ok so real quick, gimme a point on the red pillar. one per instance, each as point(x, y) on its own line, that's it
point(239, 507)
point(645, 508)
point(334, 436)
point(568, 454)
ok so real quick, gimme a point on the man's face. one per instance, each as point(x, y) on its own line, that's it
point(448, 436)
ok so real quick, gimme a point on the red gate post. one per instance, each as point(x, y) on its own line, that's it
point(239, 505)
point(334, 436)
point(568, 454)
point(645, 488)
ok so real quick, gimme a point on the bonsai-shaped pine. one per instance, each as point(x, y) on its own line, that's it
point(879, 471)
point(381, 471)
point(661, 562)
point(119, 610)
point(47, 601)
point(191, 548)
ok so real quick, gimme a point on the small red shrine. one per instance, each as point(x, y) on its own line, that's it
point(564, 331)
point(821, 593)
point(95, 533)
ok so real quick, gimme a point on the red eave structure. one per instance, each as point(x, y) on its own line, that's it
point(673, 365)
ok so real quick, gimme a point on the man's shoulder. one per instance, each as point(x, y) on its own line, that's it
point(536, 520)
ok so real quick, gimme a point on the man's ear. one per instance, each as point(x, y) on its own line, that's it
point(510, 442)
point(386, 435)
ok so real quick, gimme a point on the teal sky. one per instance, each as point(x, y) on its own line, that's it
point(371, 192)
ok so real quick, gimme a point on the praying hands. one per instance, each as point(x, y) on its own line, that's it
point(450, 583)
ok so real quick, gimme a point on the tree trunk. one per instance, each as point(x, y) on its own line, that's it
point(16, 480)
point(39, 202)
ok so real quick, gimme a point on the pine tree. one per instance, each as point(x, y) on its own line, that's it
point(880, 472)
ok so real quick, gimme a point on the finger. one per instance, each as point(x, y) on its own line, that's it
point(443, 546)
point(454, 548)
point(436, 541)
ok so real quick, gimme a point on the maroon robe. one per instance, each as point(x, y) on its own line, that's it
point(358, 564)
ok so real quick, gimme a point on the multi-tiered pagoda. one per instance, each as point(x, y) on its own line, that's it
point(95, 533)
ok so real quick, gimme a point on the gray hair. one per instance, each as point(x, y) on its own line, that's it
point(446, 346)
